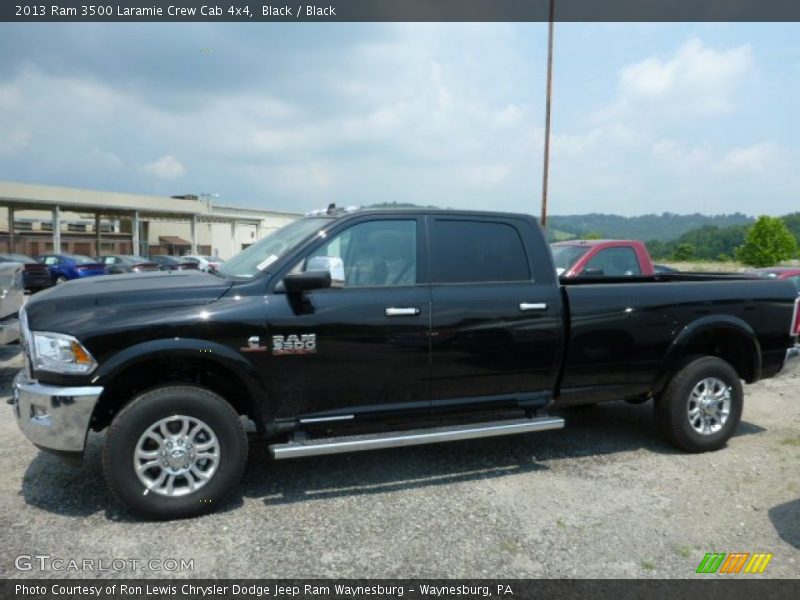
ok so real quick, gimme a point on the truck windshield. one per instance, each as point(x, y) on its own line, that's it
point(256, 258)
point(566, 256)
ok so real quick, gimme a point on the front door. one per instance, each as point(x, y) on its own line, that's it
point(363, 346)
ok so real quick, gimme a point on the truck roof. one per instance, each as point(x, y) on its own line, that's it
point(339, 212)
point(595, 242)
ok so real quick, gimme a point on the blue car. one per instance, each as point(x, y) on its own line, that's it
point(65, 267)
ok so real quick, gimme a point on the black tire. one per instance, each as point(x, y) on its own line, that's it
point(673, 405)
point(148, 409)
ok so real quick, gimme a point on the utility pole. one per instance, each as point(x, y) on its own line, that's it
point(547, 113)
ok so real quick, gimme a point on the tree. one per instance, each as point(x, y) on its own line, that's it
point(792, 221)
point(768, 242)
point(684, 252)
point(710, 241)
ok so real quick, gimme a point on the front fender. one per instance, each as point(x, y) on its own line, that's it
point(177, 348)
point(677, 351)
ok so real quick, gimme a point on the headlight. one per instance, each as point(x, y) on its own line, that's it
point(60, 353)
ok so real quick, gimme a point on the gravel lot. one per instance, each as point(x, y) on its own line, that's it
point(602, 498)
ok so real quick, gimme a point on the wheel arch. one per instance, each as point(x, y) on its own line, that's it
point(725, 336)
point(185, 360)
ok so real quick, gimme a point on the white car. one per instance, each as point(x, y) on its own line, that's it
point(204, 263)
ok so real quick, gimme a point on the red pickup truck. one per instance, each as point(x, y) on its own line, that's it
point(597, 258)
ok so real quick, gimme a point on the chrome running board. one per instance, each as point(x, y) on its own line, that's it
point(394, 439)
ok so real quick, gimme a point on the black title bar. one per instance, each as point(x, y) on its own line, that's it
point(399, 10)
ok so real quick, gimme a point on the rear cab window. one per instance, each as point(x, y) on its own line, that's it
point(618, 261)
point(467, 251)
point(565, 256)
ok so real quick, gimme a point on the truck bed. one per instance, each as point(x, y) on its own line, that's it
point(619, 330)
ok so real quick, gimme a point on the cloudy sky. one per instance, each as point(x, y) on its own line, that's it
point(646, 117)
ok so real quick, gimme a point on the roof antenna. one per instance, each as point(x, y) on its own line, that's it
point(331, 208)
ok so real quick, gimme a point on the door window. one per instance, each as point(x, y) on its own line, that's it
point(477, 251)
point(614, 262)
point(374, 253)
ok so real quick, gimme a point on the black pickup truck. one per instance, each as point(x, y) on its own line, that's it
point(354, 330)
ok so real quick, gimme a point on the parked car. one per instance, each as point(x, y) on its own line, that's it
point(171, 263)
point(396, 327)
point(601, 258)
point(65, 267)
point(789, 273)
point(35, 276)
point(124, 263)
point(12, 298)
point(204, 263)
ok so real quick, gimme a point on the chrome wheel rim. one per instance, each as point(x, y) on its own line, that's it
point(709, 405)
point(176, 456)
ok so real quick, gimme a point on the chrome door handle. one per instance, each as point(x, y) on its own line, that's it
point(406, 311)
point(533, 306)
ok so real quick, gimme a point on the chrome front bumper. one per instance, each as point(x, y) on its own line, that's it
point(791, 362)
point(53, 417)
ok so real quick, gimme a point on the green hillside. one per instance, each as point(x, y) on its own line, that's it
point(663, 227)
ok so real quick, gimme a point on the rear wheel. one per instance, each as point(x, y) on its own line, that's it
point(701, 407)
point(174, 451)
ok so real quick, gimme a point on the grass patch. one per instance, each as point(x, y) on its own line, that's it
point(792, 441)
point(560, 523)
point(706, 266)
point(683, 551)
point(648, 565)
point(511, 546)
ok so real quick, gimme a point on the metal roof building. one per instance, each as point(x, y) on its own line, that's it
point(46, 219)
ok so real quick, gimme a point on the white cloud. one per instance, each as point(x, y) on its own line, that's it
point(669, 136)
point(679, 156)
point(743, 160)
point(166, 167)
point(696, 80)
point(103, 159)
point(13, 140)
point(756, 158)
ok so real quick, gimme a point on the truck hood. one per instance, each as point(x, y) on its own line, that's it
point(104, 296)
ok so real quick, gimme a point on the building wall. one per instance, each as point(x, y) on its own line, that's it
point(215, 233)
point(36, 244)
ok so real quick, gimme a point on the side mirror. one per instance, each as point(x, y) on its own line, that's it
point(593, 273)
point(332, 265)
point(297, 283)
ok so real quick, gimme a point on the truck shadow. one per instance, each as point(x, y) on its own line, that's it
point(604, 430)
point(7, 373)
point(786, 520)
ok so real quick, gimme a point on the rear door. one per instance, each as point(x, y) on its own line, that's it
point(496, 322)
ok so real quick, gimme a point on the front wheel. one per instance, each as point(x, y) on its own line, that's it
point(174, 451)
point(702, 405)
